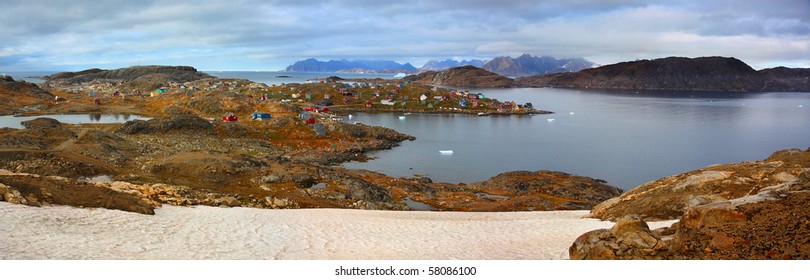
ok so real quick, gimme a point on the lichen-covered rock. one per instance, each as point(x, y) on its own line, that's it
point(668, 198)
point(630, 238)
point(34, 190)
point(771, 224)
point(228, 201)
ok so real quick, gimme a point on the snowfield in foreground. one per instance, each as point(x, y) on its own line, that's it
point(62, 232)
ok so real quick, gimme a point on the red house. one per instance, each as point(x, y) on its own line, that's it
point(229, 117)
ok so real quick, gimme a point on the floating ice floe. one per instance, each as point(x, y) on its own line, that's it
point(446, 152)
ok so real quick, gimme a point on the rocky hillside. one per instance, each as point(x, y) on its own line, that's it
point(674, 73)
point(786, 79)
point(148, 76)
point(465, 76)
point(669, 198)
point(678, 73)
point(773, 223)
point(19, 96)
point(527, 65)
point(749, 210)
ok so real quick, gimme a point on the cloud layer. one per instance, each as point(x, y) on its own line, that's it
point(269, 35)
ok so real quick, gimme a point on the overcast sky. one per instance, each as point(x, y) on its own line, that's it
point(269, 35)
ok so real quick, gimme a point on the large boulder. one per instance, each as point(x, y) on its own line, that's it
point(35, 190)
point(629, 238)
point(771, 224)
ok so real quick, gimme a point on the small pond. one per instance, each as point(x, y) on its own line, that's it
point(14, 122)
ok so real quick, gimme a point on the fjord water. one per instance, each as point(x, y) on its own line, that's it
point(624, 137)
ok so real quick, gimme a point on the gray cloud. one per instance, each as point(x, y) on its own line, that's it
point(271, 35)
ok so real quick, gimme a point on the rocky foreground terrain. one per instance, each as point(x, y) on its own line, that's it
point(750, 210)
point(186, 154)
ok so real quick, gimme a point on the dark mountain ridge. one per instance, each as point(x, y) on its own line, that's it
point(678, 73)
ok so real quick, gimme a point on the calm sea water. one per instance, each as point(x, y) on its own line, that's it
point(267, 77)
point(28, 76)
point(14, 122)
point(270, 78)
point(624, 137)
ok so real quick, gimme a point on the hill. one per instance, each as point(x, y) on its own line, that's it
point(147, 77)
point(367, 66)
point(435, 65)
point(464, 76)
point(786, 79)
point(20, 96)
point(527, 65)
point(678, 73)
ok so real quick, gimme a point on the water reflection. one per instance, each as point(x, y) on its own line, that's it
point(14, 122)
point(418, 206)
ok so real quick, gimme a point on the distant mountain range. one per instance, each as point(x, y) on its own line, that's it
point(354, 66)
point(528, 65)
point(524, 65)
point(435, 65)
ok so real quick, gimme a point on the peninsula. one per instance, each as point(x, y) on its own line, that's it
point(231, 142)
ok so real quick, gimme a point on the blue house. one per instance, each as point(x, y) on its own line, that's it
point(261, 116)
